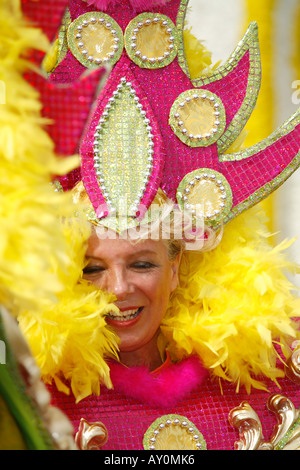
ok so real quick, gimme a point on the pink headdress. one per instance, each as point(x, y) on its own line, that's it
point(138, 5)
point(152, 127)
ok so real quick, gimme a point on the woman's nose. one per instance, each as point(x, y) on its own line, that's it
point(118, 283)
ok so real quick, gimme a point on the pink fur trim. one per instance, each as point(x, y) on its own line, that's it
point(167, 389)
point(138, 5)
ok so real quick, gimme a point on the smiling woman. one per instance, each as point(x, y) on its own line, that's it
point(141, 276)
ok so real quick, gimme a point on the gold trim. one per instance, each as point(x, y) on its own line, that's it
point(286, 435)
point(91, 436)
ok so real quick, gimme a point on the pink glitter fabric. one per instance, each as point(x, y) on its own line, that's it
point(127, 418)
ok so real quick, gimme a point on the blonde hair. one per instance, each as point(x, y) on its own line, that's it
point(171, 224)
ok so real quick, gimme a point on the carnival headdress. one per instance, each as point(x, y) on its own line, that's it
point(152, 126)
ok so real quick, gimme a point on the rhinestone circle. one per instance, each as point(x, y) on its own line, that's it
point(160, 24)
point(207, 194)
point(88, 26)
point(198, 117)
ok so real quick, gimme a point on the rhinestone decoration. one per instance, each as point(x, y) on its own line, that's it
point(173, 432)
point(123, 165)
point(95, 39)
point(198, 118)
point(206, 193)
point(157, 52)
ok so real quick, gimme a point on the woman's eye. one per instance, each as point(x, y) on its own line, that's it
point(92, 269)
point(143, 265)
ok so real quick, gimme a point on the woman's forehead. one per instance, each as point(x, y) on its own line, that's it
point(123, 247)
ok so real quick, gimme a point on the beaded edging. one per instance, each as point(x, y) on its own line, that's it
point(76, 45)
point(173, 420)
point(134, 28)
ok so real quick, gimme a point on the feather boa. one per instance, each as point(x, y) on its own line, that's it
point(137, 5)
point(166, 389)
point(234, 305)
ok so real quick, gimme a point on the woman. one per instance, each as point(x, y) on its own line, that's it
point(177, 318)
point(142, 277)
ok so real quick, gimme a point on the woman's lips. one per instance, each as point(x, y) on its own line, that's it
point(125, 317)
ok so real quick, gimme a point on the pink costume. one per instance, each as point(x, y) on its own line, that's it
point(184, 389)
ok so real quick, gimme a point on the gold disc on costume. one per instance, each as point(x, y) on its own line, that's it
point(198, 117)
point(95, 39)
point(173, 432)
point(151, 40)
point(207, 194)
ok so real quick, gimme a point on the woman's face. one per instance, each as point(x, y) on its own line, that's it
point(141, 277)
